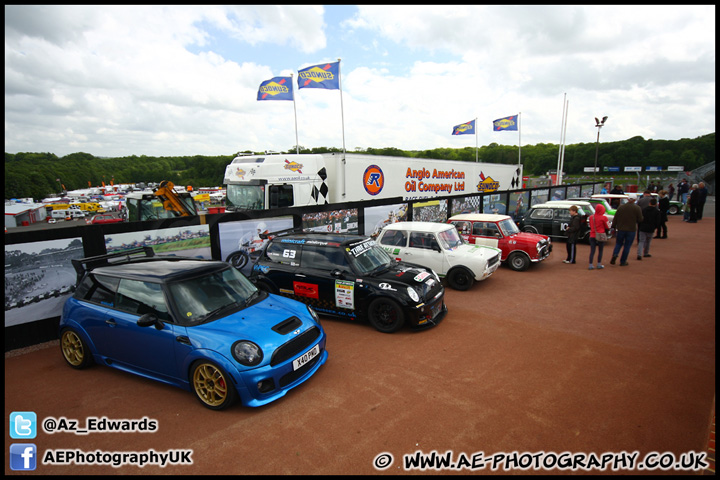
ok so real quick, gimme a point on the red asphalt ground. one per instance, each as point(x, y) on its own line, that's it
point(555, 359)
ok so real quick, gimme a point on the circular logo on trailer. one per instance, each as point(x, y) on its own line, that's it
point(373, 179)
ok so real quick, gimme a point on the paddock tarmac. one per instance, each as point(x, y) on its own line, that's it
point(527, 369)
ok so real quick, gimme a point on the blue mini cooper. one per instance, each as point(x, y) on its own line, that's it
point(196, 324)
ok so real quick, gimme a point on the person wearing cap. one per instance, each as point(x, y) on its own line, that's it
point(627, 218)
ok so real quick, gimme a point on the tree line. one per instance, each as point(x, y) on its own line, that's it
point(39, 175)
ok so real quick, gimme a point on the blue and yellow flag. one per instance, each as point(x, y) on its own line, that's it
point(464, 128)
point(507, 123)
point(326, 76)
point(278, 88)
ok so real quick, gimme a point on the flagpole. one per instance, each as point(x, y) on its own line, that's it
point(342, 113)
point(519, 138)
point(562, 124)
point(476, 140)
point(562, 161)
point(297, 142)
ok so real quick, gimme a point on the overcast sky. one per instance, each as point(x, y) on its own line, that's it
point(183, 80)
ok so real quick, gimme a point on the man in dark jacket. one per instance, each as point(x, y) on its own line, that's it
point(627, 218)
point(702, 197)
point(648, 224)
point(683, 189)
point(664, 206)
point(694, 203)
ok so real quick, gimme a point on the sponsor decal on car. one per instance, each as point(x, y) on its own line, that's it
point(344, 297)
point(308, 290)
point(421, 277)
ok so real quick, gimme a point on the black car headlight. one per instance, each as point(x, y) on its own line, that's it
point(413, 294)
point(247, 353)
point(313, 314)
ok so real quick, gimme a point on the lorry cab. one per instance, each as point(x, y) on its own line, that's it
point(263, 182)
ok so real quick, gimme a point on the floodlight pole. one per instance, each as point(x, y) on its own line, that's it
point(599, 124)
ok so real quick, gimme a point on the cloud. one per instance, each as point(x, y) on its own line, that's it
point(183, 80)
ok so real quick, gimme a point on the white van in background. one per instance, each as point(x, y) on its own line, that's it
point(59, 214)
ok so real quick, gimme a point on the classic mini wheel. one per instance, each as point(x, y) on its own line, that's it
point(385, 315)
point(74, 350)
point(212, 387)
point(518, 261)
point(530, 230)
point(460, 279)
point(673, 210)
point(237, 259)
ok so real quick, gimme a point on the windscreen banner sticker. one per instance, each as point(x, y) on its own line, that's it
point(344, 294)
point(359, 249)
point(307, 290)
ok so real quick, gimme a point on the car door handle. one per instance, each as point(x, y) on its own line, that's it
point(111, 322)
point(183, 339)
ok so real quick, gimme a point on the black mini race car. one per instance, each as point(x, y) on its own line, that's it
point(349, 276)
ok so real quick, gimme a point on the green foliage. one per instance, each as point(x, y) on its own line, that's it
point(39, 175)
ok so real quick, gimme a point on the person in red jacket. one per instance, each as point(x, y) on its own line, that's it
point(598, 224)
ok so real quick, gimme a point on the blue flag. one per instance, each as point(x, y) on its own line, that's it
point(464, 128)
point(326, 76)
point(507, 123)
point(278, 88)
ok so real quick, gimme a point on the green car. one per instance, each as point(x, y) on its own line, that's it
point(612, 201)
point(609, 211)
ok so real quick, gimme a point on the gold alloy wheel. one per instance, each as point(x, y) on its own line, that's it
point(72, 348)
point(210, 384)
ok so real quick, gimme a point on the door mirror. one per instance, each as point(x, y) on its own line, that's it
point(150, 319)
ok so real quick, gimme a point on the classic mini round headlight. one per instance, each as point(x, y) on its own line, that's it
point(413, 294)
point(247, 353)
point(313, 314)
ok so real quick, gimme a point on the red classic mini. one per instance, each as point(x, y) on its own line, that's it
point(519, 249)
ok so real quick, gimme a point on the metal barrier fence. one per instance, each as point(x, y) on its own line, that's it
point(39, 275)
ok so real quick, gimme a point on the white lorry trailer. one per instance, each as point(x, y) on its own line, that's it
point(262, 182)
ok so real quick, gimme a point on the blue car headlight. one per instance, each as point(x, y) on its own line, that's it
point(247, 353)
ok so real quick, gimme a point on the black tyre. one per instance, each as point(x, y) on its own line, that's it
point(673, 210)
point(460, 279)
point(530, 230)
point(386, 315)
point(237, 259)
point(518, 261)
point(212, 386)
point(74, 350)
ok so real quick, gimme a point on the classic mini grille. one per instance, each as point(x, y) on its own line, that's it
point(295, 346)
point(494, 260)
point(544, 248)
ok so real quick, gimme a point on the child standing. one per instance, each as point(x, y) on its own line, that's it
point(572, 231)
